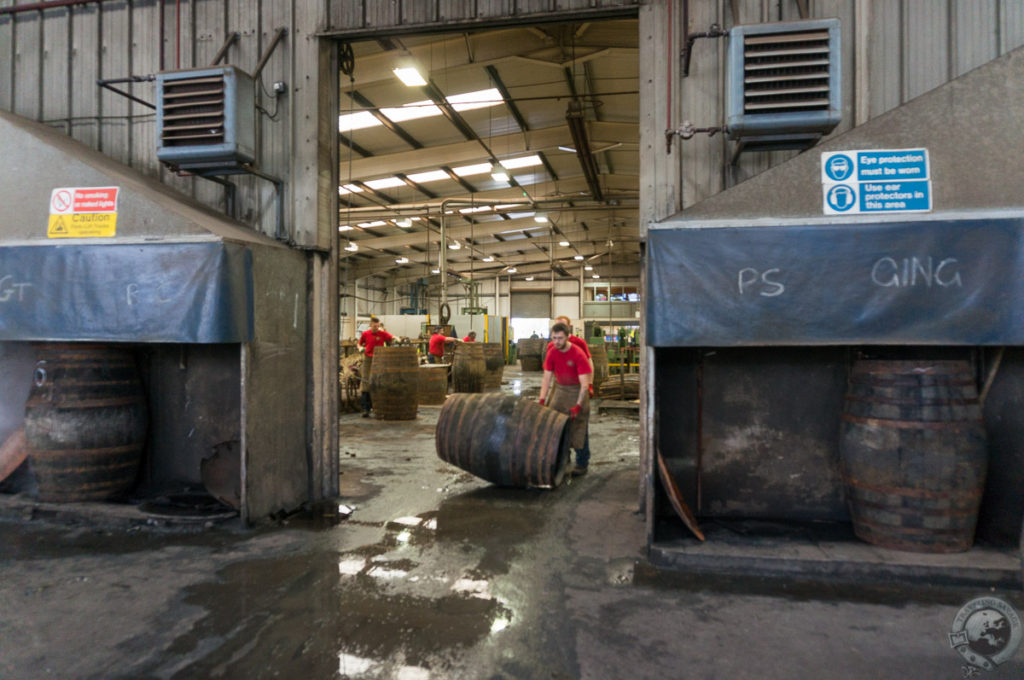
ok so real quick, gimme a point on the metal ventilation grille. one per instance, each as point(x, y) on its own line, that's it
point(193, 111)
point(786, 72)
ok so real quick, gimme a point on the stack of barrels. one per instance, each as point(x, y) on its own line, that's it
point(531, 353)
point(85, 421)
point(913, 454)
point(394, 383)
point(433, 383)
point(469, 367)
point(494, 369)
point(599, 355)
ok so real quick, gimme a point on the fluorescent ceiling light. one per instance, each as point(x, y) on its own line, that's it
point(410, 76)
point(419, 109)
point(401, 260)
point(385, 183)
point(577, 258)
point(345, 227)
point(521, 162)
point(370, 225)
point(567, 148)
point(488, 259)
point(511, 270)
point(588, 268)
point(404, 222)
point(498, 173)
point(429, 176)
point(595, 276)
point(454, 245)
point(475, 169)
point(540, 216)
point(352, 247)
point(529, 278)
point(435, 270)
point(564, 244)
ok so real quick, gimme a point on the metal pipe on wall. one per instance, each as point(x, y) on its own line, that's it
point(42, 6)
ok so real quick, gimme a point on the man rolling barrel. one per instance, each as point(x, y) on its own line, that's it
point(374, 337)
point(570, 391)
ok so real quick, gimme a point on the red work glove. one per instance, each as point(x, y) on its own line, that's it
point(590, 389)
point(575, 411)
point(540, 401)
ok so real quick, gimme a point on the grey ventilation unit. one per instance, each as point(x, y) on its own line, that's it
point(205, 119)
point(784, 83)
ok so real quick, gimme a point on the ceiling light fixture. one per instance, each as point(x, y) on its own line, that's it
point(345, 227)
point(511, 270)
point(410, 76)
point(498, 173)
point(404, 222)
point(488, 259)
point(529, 278)
point(567, 148)
point(596, 276)
point(352, 247)
point(540, 216)
point(401, 260)
point(454, 245)
point(578, 258)
point(588, 268)
point(564, 244)
point(435, 270)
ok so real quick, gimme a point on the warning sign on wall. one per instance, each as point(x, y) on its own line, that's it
point(83, 212)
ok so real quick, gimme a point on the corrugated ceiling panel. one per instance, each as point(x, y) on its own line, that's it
point(27, 47)
point(145, 59)
point(6, 56)
point(115, 62)
point(382, 13)
point(926, 58)
point(85, 123)
point(975, 24)
point(56, 51)
point(885, 77)
point(1011, 25)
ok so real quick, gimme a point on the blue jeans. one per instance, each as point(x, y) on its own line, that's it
point(433, 359)
point(583, 455)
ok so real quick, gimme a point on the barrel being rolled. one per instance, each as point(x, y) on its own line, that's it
point(531, 353)
point(599, 355)
point(504, 439)
point(913, 454)
point(468, 368)
point(494, 358)
point(394, 383)
point(433, 384)
point(85, 422)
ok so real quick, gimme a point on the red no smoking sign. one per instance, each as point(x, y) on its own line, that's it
point(72, 200)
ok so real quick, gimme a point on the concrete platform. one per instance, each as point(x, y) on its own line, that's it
point(827, 552)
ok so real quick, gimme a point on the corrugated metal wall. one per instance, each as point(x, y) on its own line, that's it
point(893, 51)
point(50, 61)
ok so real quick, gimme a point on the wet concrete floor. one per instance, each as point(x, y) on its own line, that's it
point(437, 574)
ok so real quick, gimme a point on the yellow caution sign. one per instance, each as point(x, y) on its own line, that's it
point(83, 225)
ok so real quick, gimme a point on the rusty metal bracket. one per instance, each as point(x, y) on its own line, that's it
point(687, 131)
point(686, 52)
point(231, 39)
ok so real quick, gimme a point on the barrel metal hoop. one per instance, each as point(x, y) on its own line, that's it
point(910, 492)
point(911, 424)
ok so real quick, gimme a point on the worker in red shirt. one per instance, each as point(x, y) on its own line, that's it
point(374, 337)
point(435, 347)
point(471, 337)
point(578, 342)
point(569, 391)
